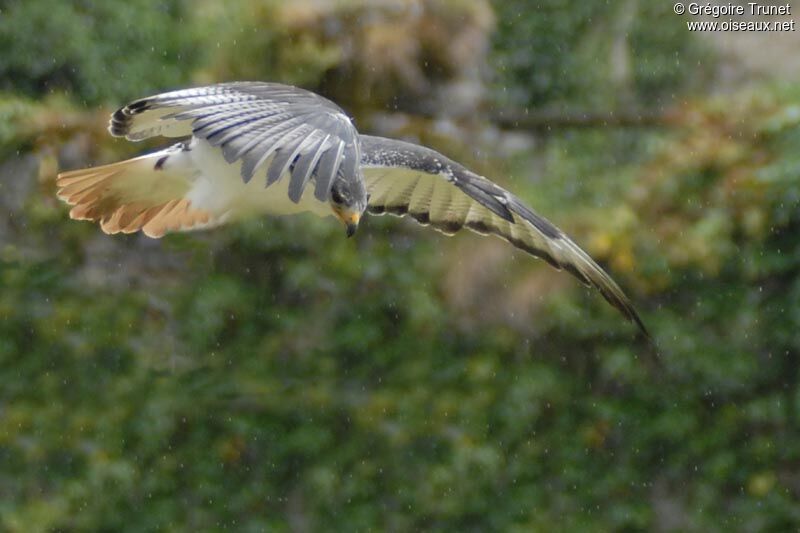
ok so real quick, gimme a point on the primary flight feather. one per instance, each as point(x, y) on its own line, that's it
point(257, 148)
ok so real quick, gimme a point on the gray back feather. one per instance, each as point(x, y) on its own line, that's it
point(300, 132)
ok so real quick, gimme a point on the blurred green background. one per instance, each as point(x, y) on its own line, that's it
point(274, 375)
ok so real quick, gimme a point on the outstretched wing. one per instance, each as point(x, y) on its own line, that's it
point(407, 179)
point(252, 122)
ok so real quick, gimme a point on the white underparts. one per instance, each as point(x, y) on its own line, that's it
point(218, 187)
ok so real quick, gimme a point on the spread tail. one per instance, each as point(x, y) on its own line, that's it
point(147, 193)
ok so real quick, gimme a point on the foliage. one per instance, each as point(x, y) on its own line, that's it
point(710, 214)
point(274, 375)
point(607, 54)
point(365, 55)
point(98, 51)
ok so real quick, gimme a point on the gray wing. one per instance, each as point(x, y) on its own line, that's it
point(253, 122)
point(407, 179)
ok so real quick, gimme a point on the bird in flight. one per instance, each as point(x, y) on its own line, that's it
point(253, 148)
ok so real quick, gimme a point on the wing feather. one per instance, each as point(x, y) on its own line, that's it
point(420, 200)
point(381, 184)
point(306, 162)
point(327, 169)
point(265, 149)
point(253, 122)
point(449, 197)
point(253, 147)
point(288, 153)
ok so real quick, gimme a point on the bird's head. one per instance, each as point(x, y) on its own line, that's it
point(349, 201)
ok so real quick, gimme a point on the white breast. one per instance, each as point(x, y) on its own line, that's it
point(218, 187)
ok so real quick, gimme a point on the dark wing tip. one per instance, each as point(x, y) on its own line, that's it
point(634, 317)
point(122, 118)
point(120, 123)
point(608, 288)
point(578, 263)
point(628, 311)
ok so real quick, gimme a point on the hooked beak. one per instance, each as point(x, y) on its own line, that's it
point(351, 223)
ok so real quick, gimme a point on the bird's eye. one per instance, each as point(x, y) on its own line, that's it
point(336, 197)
